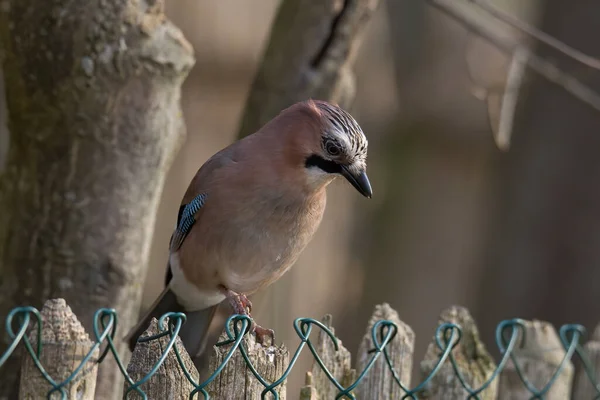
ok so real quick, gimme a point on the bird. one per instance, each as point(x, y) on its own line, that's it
point(250, 211)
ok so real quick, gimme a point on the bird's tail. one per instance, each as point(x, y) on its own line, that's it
point(194, 332)
point(166, 302)
point(197, 337)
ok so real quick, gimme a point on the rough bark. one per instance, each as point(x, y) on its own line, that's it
point(92, 91)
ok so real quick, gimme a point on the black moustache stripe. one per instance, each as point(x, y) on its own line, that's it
point(328, 166)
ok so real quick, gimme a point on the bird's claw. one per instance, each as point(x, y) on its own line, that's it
point(262, 334)
point(246, 303)
point(239, 302)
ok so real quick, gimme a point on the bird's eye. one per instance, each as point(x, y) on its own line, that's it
point(332, 149)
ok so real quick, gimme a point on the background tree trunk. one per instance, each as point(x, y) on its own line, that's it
point(310, 53)
point(92, 90)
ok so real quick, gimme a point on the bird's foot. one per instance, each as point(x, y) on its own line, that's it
point(243, 306)
point(239, 302)
point(262, 334)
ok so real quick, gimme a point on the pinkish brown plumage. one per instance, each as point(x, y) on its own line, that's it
point(252, 208)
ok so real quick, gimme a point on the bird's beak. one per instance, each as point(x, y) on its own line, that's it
point(359, 180)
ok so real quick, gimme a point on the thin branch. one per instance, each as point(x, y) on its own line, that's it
point(516, 73)
point(545, 68)
point(537, 34)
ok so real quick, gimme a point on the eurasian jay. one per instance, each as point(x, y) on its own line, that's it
point(250, 211)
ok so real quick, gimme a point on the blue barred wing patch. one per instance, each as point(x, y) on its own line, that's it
point(187, 218)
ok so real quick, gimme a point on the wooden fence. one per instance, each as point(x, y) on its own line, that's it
point(538, 353)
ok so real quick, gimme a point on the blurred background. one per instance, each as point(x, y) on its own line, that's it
point(453, 220)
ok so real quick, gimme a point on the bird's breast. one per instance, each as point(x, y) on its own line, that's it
point(249, 244)
point(265, 247)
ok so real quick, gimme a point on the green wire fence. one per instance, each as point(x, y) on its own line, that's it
point(447, 337)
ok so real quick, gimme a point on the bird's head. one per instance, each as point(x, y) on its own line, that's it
point(340, 148)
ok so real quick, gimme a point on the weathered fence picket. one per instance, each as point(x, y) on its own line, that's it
point(540, 355)
point(169, 381)
point(472, 359)
point(584, 387)
point(65, 344)
point(379, 383)
point(339, 364)
point(237, 382)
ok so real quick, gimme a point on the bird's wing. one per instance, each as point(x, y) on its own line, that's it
point(195, 198)
point(185, 220)
point(196, 194)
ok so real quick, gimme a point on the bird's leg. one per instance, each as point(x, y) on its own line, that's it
point(239, 302)
point(245, 302)
point(243, 306)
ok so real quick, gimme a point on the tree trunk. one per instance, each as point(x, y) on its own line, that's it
point(310, 55)
point(92, 90)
